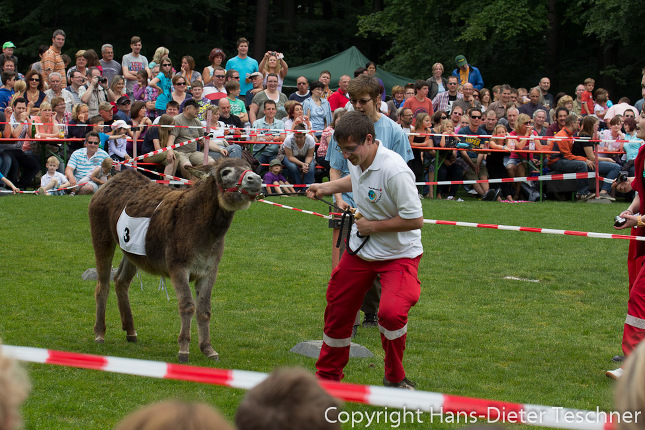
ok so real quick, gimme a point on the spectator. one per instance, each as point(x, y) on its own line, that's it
point(81, 66)
point(15, 387)
point(270, 129)
point(7, 52)
point(468, 100)
point(7, 91)
point(76, 87)
point(632, 145)
point(340, 97)
point(484, 99)
point(405, 119)
point(436, 83)
point(34, 93)
point(490, 121)
point(123, 105)
point(56, 90)
point(61, 116)
point(216, 90)
point(611, 139)
point(504, 102)
point(522, 137)
point(370, 68)
point(566, 162)
point(467, 73)
point(289, 399)
point(495, 161)
point(419, 103)
point(398, 97)
point(256, 110)
point(607, 167)
point(475, 159)
point(523, 96)
point(223, 147)
point(215, 59)
point(451, 168)
point(299, 148)
point(302, 92)
point(225, 114)
point(455, 116)
point(511, 119)
point(22, 163)
point(325, 78)
point(601, 108)
point(237, 106)
point(409, 90)
point(273, 62)
point(317, 109)
point(639, 103)
point(188, 71)
point(539, 120)
point(107, 113)
point(37, 66)
point(162, 83)
point(444, 101)
point(587, 103)
point(96, 92)
point(140, 126)
point(131, 64)
point(52, 179)
point(274, 177)
point(174, 414)
point(577, 103)
point(188, 155)
point(117, 89)
point(111, 68)
point(420, 137)
point(117, 146)
point(82, 163)
point(296, 116)
point(78, 125)
point(325, 141)
point(157, 138)
point(561, 114)
point(546, 99)
point(45, 124)
point(619, 109)
point(139, 89)
point(564, 101)
point(533, 103)
point(52, 60)
point(243, 64)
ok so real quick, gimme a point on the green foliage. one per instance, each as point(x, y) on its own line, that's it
point(473, 332)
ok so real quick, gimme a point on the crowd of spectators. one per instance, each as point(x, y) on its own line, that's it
point(56, 100)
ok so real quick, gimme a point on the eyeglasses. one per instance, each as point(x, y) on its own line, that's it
point(166, 65)
point(452, 83)
point(347, 150)
point(34, 80)
point(360, 101)
point(444, 117)
point(125, 102)
point(476, 117)
point(236, 77)
point(180, 83)
point(91, 142)
point(220, 76)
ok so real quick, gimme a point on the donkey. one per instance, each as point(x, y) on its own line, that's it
point(174, 233)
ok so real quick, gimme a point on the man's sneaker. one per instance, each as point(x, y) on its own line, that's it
point(406, 384)
point(605, 195)
point(615, 374)
point(473, 192)
point(585, 197)
point(618, 358)
point(370, 320)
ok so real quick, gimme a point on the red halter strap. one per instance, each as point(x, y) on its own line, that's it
point(238, 187)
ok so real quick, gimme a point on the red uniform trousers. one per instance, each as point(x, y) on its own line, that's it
point(349, 282)
point(634, 331)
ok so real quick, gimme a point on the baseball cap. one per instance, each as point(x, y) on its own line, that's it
point(275, 162)
point(460, 60)
point(119, 123)
point(8, 45)
point(122, 100)
point(254, 74)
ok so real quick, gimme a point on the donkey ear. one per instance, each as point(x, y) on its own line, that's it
point(201, 172)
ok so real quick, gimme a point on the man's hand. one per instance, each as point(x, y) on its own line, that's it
point(315, 190)
point(590, 165)
point(631, 219)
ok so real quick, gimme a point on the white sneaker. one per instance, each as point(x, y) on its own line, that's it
point(615, 374)
point(472, 191)
point(450, 198)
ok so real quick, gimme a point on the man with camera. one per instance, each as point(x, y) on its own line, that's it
point(96, 92)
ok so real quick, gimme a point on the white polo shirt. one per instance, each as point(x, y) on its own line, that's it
point(386, 189)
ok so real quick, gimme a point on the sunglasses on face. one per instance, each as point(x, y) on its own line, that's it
point(34, 80)
point(180, 83)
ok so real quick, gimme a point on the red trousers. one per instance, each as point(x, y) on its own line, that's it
point(349, 282)
point(634, 330)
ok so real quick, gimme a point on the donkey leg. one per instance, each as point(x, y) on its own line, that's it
point(203, 289)
point(104, 253)
point(122, 281)
point(186, 306)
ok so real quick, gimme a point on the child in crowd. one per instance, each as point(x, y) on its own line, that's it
point(117, 145)
point(632, 145)
point(52, 180)
point(586, 100)
point(9, 183)
point(601, 108)
point(237, 106)
point(102, 173)
point(274, 177)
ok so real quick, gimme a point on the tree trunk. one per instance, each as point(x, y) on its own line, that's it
point(552, 43)
point(261, 21)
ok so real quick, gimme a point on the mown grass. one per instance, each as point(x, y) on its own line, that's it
point(473, 333)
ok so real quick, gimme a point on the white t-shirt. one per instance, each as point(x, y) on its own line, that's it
point(44, 180)
point(386, 189)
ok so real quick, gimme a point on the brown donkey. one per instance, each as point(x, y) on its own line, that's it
point(174, 233)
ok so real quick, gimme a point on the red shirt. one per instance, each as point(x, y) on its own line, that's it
point(338, 99)
point(586, 109)
point(418, 107)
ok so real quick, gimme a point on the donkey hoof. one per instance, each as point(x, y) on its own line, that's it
point(99, 339)
point(214, 356)
point(131, 337)
point(183, 357)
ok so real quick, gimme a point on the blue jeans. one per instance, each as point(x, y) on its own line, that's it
point(234, 151)
point(5, 163)
point(296, 176)
point(573, 166)
point(608, 170)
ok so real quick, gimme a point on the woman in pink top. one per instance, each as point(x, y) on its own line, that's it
point(520, 138)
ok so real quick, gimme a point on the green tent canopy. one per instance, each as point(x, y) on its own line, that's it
point(343, 63)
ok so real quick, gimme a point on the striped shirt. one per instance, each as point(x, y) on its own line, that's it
point(82, 165)
point(53, 62)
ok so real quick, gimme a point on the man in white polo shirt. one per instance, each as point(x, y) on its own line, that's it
point(83, 161)
point(385, 241)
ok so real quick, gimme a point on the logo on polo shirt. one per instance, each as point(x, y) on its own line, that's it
point(374, 194)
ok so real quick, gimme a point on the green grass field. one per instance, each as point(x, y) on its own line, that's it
point(473, 333)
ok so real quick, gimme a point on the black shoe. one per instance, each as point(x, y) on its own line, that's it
point(354, 331)
point(370, 320)
point(489, 195)
point(406, 384)
point(618, 358)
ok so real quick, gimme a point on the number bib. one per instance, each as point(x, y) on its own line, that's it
point(132, 233)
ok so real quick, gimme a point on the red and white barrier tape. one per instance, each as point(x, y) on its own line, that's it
point(295, 209)
point(541, 178)
point(438, 405)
